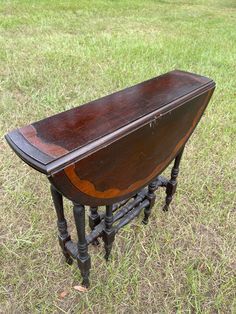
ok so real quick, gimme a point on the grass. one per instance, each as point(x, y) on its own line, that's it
point(58, 54)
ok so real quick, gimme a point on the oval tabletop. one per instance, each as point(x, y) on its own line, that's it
point(108, 149)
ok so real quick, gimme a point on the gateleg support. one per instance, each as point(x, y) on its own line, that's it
point(109, 232)
point(94, 220)
point(151, 197)
point(172, 183)
point(63, 235)
point(83, 258)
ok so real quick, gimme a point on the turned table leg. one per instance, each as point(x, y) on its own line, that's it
point(61, 223)
point(109, 232)
point(172, 183)
point(83, 257)
point(94, 220)
point(151, 197)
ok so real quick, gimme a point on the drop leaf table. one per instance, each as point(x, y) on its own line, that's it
point(110, 152)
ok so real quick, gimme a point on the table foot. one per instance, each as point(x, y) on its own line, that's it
point(84, 267)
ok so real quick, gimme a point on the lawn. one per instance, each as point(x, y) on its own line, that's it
point(55, 55)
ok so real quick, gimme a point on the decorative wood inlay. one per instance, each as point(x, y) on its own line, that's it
point(30, 134)
point(88, 187)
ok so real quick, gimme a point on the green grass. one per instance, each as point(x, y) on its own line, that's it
point(58, 54)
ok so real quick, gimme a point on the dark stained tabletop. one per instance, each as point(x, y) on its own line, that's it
point(63, 133)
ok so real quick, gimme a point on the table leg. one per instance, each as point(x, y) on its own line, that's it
point(83, 257)
point(109, 232)
point(61, 223)
point(172, 183)
point(94, 220)
point(151, 197)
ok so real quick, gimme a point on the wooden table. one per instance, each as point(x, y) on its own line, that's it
point(111, 151)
